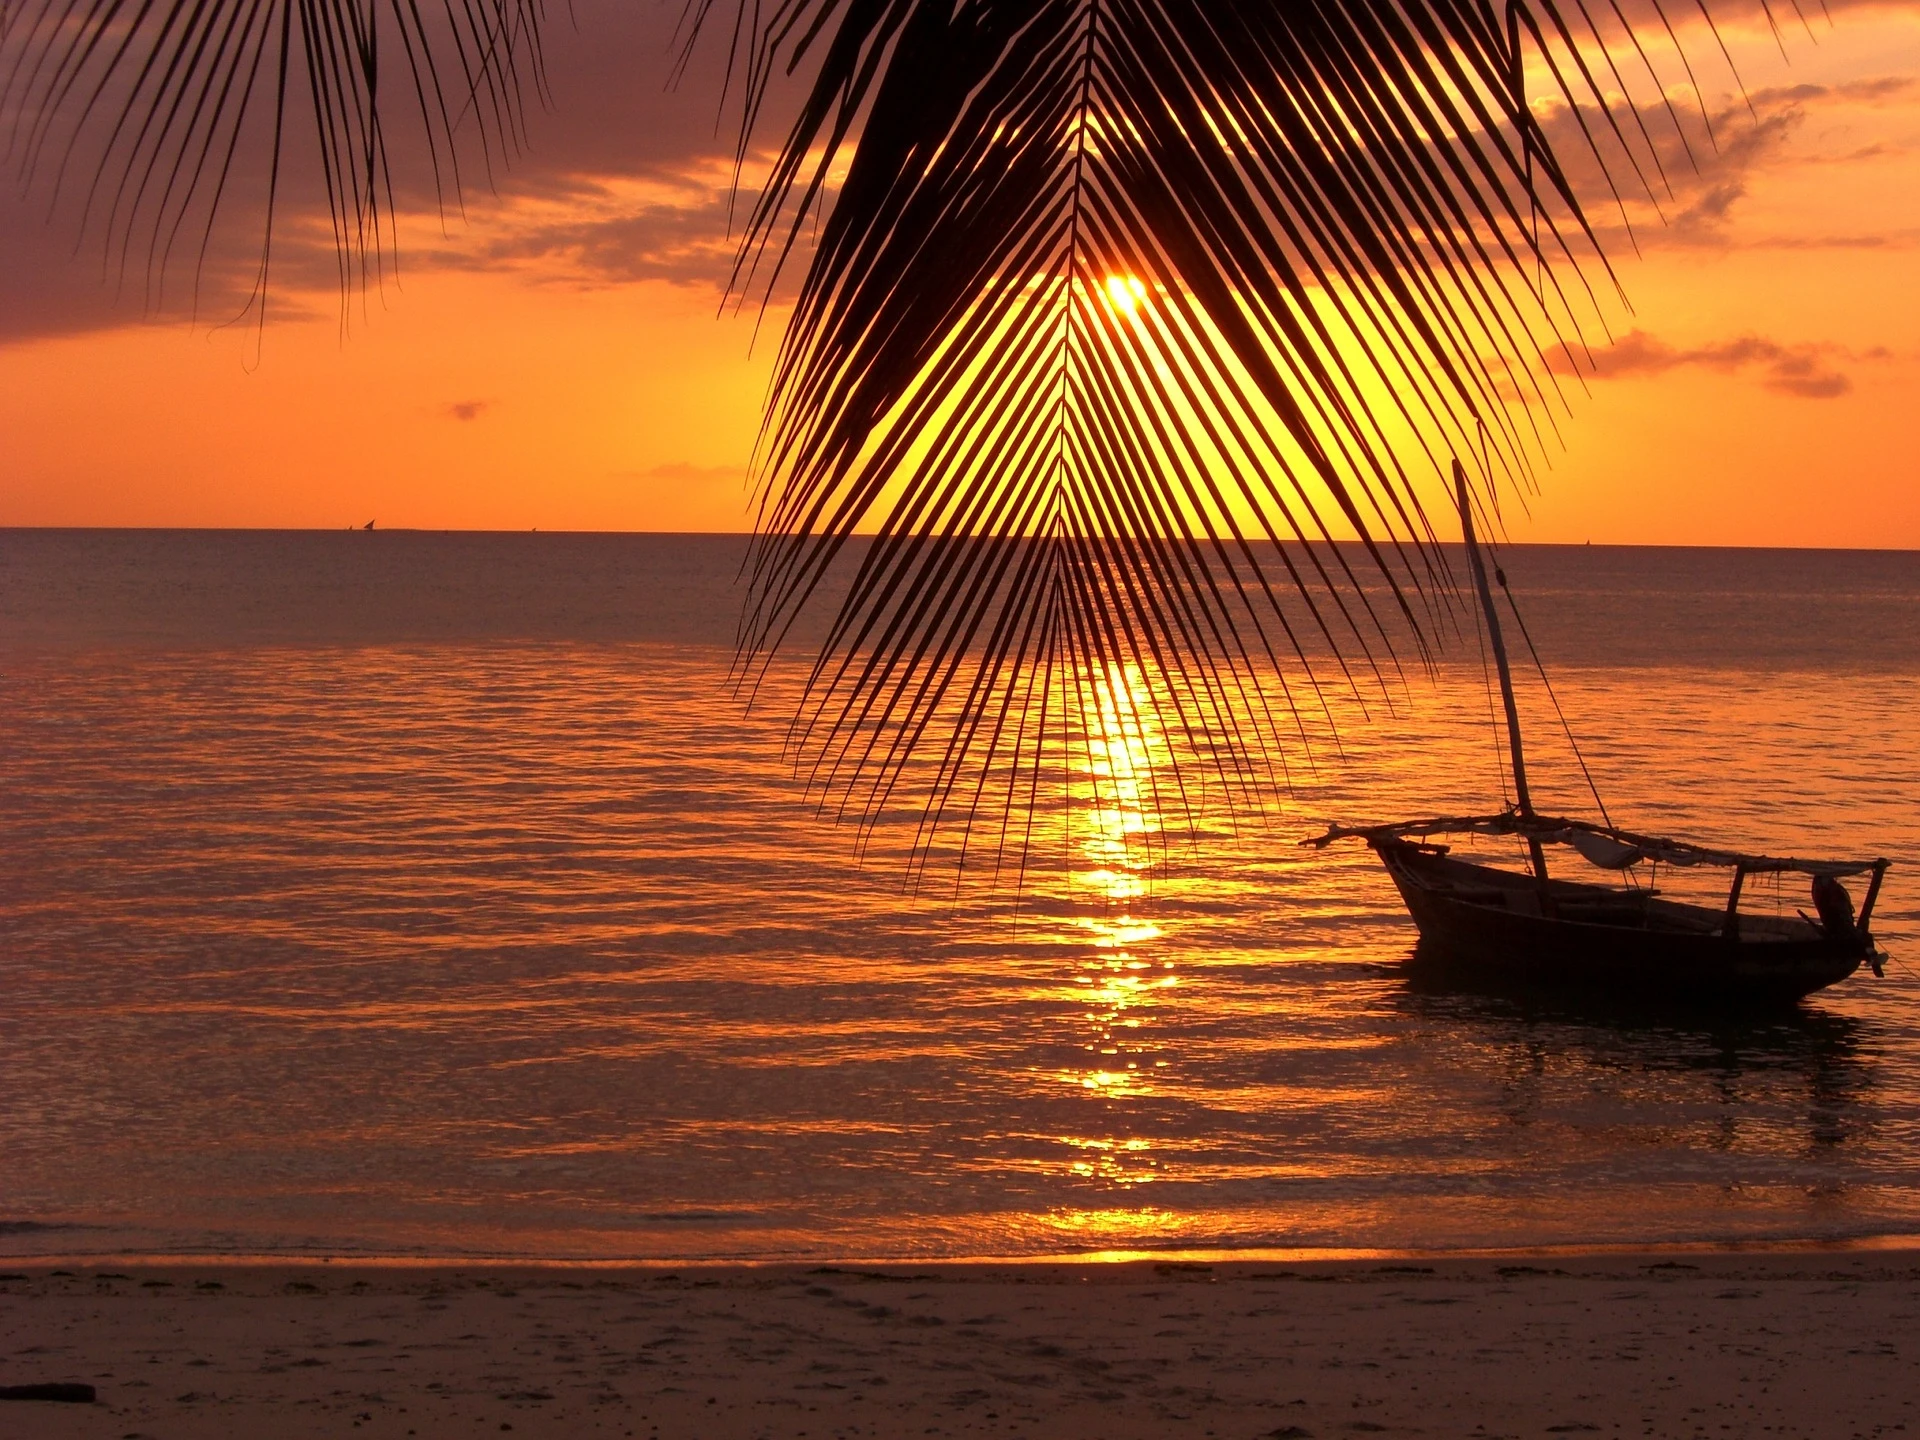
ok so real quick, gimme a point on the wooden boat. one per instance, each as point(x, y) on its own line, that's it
point(1624, 940)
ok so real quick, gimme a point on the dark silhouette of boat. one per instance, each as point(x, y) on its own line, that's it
point(1626, 940)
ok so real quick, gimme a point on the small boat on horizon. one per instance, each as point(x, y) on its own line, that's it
point(1541, 931)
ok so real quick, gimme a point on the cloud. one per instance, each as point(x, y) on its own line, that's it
point(682, 475)
point(57, 279)
point(615, 119)
point(627, 178)
point(468, 409)
point(1681, 169)
point(1803, 370)
point(675, 223)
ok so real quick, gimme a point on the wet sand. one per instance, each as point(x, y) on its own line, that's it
point(1809, 1344)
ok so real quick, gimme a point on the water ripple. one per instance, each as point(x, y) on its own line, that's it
point(536, 947)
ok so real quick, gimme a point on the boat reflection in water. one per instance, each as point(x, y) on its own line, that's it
point(1718, 1063)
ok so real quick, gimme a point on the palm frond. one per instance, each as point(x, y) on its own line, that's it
point(155, 107)
point(1120, 313)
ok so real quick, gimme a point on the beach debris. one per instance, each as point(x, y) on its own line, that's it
point(59, 1391)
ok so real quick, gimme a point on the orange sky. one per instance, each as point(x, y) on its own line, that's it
point(557, 359)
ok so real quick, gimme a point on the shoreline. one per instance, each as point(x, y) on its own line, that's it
point(1813, 1342)
point(1893, 1243)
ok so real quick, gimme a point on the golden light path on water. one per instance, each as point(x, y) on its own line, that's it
point(1119, 989)
point(458, 946)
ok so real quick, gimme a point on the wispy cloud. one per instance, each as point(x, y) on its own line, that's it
point(1807, 371)
point(627, 181)
point(1699, 163)
point(682, 474)
point(675, 224)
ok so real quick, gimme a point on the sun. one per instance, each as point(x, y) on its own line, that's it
point(1126, 293)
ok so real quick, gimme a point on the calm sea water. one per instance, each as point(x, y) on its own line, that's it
point(405, 894)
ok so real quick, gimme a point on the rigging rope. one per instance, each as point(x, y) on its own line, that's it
point(1500, 574)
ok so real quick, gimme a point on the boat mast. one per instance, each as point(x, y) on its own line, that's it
point(1514, 749)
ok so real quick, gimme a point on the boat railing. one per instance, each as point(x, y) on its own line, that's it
point(1624, 848)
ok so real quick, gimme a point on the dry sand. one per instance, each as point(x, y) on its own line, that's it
point(1803, 1344)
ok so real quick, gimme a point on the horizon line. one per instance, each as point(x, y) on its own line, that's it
point(6, 528)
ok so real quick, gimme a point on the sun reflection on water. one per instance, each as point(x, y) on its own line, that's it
point(1126, 752)
point(1121, 979)
point(1100, 1230)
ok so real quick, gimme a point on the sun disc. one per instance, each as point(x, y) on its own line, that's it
point(1125, 292)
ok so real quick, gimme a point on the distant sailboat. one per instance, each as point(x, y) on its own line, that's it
point(1625, 941)
point(367, 526)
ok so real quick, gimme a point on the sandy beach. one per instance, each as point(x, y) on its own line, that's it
point(1720, 1344)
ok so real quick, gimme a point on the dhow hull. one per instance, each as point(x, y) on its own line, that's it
point(1592, 938)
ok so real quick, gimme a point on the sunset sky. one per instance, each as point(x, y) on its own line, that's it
point(558, 357)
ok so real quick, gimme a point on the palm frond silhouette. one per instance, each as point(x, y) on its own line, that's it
point(162, 94)
point(1119, 313)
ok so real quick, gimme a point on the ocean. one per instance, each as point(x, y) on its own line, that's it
point(436, 896)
